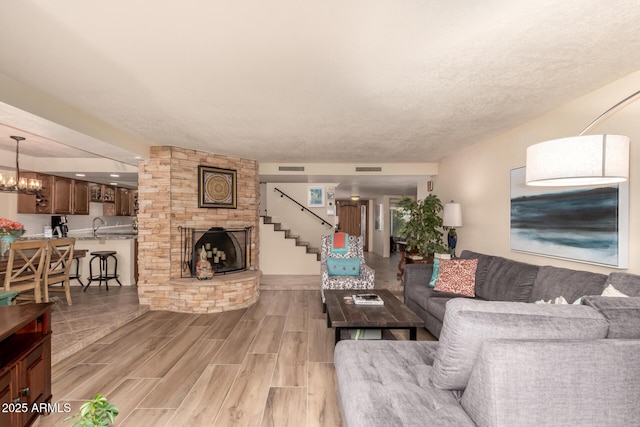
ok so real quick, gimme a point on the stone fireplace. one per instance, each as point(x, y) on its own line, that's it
point(168, 199)
point(226, 249)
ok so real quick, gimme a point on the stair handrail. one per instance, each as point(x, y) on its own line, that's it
point(304, 208)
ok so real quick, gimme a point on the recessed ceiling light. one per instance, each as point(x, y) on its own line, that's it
point(114, 175)
point(113, 183)
point(80, 174)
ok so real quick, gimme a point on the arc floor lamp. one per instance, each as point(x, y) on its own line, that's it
point(582, 159)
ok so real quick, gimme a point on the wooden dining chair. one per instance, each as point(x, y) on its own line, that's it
point(24, 267)
point(58, 267)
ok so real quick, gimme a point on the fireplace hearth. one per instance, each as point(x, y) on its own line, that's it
point(228, 250)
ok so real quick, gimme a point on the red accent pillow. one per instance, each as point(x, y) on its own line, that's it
point(457, 276)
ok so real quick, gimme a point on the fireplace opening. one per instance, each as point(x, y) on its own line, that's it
point(228, 250)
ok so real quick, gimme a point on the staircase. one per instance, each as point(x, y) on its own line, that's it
point(282, 252)
point(287, 235)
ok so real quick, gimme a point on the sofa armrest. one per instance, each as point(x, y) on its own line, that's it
point(555, 382)
point(417, 274)
point(622, 314)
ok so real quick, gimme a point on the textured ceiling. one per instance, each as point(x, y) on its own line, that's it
point(300, 81)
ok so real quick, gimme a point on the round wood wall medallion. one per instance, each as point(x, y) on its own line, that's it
point(218, 189)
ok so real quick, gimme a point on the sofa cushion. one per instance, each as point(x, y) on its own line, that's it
point(507, 280)
point(555, 383)
point(553, 282)
point(483, 264)
point(343, 266)
point(457, 276)
point(622, 313)
point(610, 291)
point(628, 284)
point(468, 323)
point(386, 383)
point(419, 294)
point(437, 306)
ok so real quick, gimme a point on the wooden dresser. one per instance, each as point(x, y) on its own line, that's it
point(25, 363)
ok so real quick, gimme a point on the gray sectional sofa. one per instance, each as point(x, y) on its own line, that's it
point(504, 363)
point(502, 279)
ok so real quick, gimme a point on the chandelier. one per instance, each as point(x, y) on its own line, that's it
point(17, 183)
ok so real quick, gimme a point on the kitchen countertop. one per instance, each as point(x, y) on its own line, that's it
point(104, 236)
point(89, 236)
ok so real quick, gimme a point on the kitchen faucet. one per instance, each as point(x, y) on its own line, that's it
point(95, 229)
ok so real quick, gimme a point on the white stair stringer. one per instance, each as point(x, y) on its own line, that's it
point(282, 255)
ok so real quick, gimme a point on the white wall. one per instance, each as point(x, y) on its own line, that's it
point(291, 216)
point(282, 256)
point(125, 255)
point(381, 238)
point(8, 201)
point(262, 210)
point(378, 237)
point(8, 205)
point(478, 177)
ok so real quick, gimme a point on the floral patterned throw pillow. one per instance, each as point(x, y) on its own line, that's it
point(457, 276)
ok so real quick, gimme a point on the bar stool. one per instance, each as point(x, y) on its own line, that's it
point(103, 258)
point(75, 273)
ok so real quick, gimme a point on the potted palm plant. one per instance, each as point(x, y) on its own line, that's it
point(422, 228)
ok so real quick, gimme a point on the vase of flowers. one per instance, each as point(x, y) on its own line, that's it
point(9, 230)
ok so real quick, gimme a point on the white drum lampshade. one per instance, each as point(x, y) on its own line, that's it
point(452, 216)
point(580, 160)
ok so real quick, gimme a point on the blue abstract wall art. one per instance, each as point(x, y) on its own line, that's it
point(584, 224)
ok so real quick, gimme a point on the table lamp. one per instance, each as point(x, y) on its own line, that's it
point(452, 218)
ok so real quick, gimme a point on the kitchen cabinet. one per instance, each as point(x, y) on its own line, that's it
point(36, 203)
point(123, 202)
point(25, 363)
point(95, 191)
point(62, 195)
point(80, 205)
point(126, 202)
point(109, 200)
point(108, 194)
point(27, 202)
point(134, 202)
point(58, 196)
point(70, 196)
point(43, 199)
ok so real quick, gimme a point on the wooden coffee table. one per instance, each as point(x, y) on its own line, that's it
point(392, 315)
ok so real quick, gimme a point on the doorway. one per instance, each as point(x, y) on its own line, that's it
point(354, 217)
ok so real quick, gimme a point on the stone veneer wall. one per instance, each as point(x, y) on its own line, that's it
point(168, 198)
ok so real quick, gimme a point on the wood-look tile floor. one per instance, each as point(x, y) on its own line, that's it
point(267, 365)
point(93, 314)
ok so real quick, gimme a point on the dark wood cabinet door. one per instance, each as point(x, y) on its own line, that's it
point(62, 195)
point(36, 380)
point(25, 377)
point(7, 394)
point(81, 198)
point(123, 203)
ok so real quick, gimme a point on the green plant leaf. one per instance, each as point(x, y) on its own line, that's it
point(95, 412)
point(422, 230)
